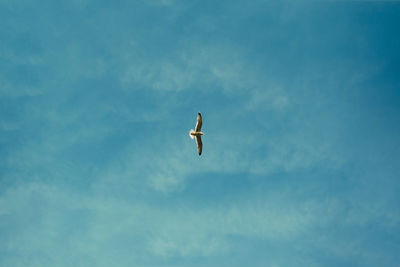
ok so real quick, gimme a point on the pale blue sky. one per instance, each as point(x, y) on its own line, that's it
point(301, 106)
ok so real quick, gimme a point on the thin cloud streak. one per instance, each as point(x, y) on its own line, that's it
point(182, 231)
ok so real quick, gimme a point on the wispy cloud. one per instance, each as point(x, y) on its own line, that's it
point(195, 67)
point(165, 233)
point(300, 160)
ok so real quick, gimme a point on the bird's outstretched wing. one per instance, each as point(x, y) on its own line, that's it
point(199, 123)
point(199, 144)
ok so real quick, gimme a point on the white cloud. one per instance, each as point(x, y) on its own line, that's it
point(168, 162)
point(165, 232)
point(37, 216)
point(206, 68)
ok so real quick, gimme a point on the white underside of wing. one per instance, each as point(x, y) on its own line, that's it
point(199, 144)
point(199, 123)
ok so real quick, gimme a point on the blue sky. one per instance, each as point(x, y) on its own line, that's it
point(301, 106)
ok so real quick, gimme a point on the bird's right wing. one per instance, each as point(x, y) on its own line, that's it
point(199, 123)
point(199, 144)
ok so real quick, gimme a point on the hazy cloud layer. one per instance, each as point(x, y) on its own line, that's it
point(300, 107)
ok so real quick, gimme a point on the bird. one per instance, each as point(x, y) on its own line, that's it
point(197, 133)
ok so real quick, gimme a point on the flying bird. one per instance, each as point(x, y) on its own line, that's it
point(197, 134)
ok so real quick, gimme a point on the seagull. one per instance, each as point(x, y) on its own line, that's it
point(197, 133)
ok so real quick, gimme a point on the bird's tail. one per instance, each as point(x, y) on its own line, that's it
point(190, 133)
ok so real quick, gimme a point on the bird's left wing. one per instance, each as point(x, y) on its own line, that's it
point(199, 144)
point(199, 123)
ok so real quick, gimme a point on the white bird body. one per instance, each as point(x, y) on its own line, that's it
point(193, 133)
point(197, 133)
